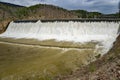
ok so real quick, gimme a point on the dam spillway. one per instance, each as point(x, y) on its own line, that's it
point(82, 32)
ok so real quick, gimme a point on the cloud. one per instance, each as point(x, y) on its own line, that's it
point(104, 6)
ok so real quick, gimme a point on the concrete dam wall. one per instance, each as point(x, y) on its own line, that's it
point(82, 32)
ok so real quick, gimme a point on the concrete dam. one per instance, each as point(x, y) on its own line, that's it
point(81, 31)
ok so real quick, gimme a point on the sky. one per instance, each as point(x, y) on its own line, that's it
point(103, 6)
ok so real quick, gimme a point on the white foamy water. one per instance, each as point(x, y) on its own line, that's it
point(104, 32)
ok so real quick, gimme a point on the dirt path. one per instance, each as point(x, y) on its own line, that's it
point(46, 46)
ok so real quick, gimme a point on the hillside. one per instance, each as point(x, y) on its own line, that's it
point(39, 11)
point(86, 14)
point(9, 12)
point(43, 11)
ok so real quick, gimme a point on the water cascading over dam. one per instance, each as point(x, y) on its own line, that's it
point(103, 32)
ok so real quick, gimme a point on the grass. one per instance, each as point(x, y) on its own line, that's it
point(39, 63)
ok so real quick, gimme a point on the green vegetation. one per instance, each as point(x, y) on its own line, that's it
point(8, 11)
point(22, 13)
point(28, 11)
point(117, 15)
point(36, 6)
point(45, 5)
point(80, 13)
point(94, 15)
point(86, 14)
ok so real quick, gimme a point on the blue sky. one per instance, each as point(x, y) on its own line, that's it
point(104, 6)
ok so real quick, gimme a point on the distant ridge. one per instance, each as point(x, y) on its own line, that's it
point(10, 4)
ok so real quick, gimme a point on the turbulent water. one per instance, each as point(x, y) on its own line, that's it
point(104, 32)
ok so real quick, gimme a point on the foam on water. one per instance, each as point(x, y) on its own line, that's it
point(104, 32)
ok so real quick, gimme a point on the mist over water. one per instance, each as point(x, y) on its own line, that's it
point(103, 32)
